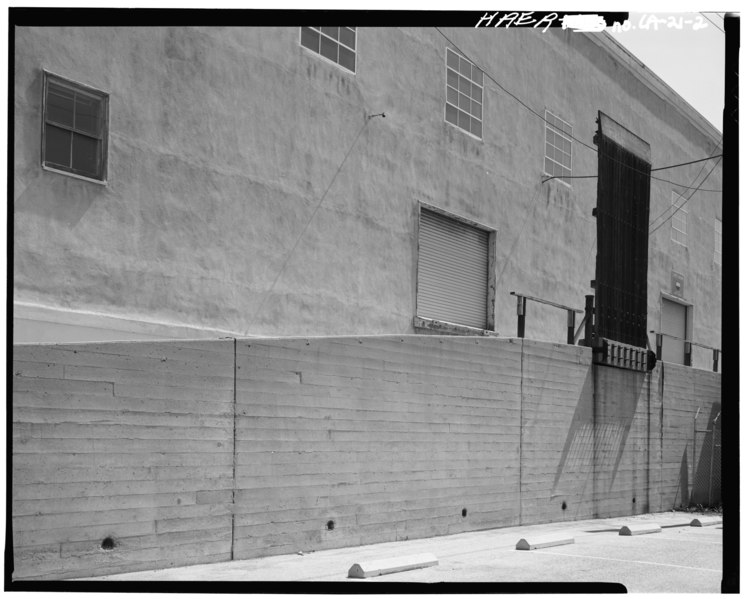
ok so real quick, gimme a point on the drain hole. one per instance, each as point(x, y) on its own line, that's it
point(563, 505)
point(633, 500)
point(464, 512)
point(330, 525)
point(108, 544)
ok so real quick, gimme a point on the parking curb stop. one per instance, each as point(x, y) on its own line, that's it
point(391, 565)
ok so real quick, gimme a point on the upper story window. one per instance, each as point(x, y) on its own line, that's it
point(338, 44)
point(717, 240)
point(465, 94)
point(558, 162)
point(74, 137)
point(679, 220)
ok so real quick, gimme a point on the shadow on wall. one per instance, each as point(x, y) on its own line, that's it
point(599, 434)
point(54, 196)
point(682, 490)
point(578, 453)
point(706, 487)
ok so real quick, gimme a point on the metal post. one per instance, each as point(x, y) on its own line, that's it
point(570, 327)
point(687, 355)
point(658, 339)
point(521, 302)
point(588, 320)
point(716, 359)
point(692, 481)
point(711, 455)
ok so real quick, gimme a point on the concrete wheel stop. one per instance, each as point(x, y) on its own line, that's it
point(706, 521)
point(639, 529)
point(391, 565)
point(552, 540)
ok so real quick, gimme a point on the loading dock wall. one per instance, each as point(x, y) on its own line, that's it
point(338, 442)
point(127, 441)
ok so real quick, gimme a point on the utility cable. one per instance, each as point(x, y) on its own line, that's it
point(712, 22)
point(540, 116)
point(701, 170)
point(505, 90)
point(635, 170)
point(307, 224)
point(687, 199)
point(662, 168)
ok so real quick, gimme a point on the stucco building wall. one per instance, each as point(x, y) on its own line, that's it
point(249, 193)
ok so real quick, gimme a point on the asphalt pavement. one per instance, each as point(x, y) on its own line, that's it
point(678, 559)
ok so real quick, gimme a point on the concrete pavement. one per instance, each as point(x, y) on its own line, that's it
point(680, 558)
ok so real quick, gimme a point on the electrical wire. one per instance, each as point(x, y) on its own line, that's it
point(508, 92)
point(701, 170)
point(687, 199)
point(540, 116)
point(712, 22)
point(305, 227)
point(636, 170)
point(662, 168)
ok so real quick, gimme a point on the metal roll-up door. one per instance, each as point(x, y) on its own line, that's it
point(453, 271)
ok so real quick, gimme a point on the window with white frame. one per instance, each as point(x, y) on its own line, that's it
point(717, 240)
point(679, 219)
point(464, 89)
point(74, 136)
point(558, 161)
point(338, 44)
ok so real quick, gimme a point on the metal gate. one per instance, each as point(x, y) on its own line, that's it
point(622, 233)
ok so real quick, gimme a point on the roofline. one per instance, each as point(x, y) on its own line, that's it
point(642, 72)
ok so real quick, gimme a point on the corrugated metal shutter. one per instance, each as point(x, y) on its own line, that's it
point(453, 271)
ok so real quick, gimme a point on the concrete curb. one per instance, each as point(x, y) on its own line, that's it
point(550, 540)
point(706, 521)
point(391, 565)
point(639, 529)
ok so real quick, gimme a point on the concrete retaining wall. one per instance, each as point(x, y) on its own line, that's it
point(127, 441)
point(390, 438)
point(338, 442)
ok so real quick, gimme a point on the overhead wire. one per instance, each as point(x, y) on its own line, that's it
point(687, 199)
point(508, 92)
point(652, 177)
point(307, 223)
point(540, 116)
point(662, 168)
point(697, 188)
point(712, 22)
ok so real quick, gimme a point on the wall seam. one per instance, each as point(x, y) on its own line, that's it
point(520, 455)
point(235, 410)
point(648, 376)
point(661, 391)
point(595, 501)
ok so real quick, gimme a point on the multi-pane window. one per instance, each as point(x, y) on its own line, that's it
point(74, 135)
point(717, 241)
point(338, 44)
point(558, 161)
point(679, 219)
point(465, 94)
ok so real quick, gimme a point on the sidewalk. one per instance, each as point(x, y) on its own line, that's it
point(680, 558)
